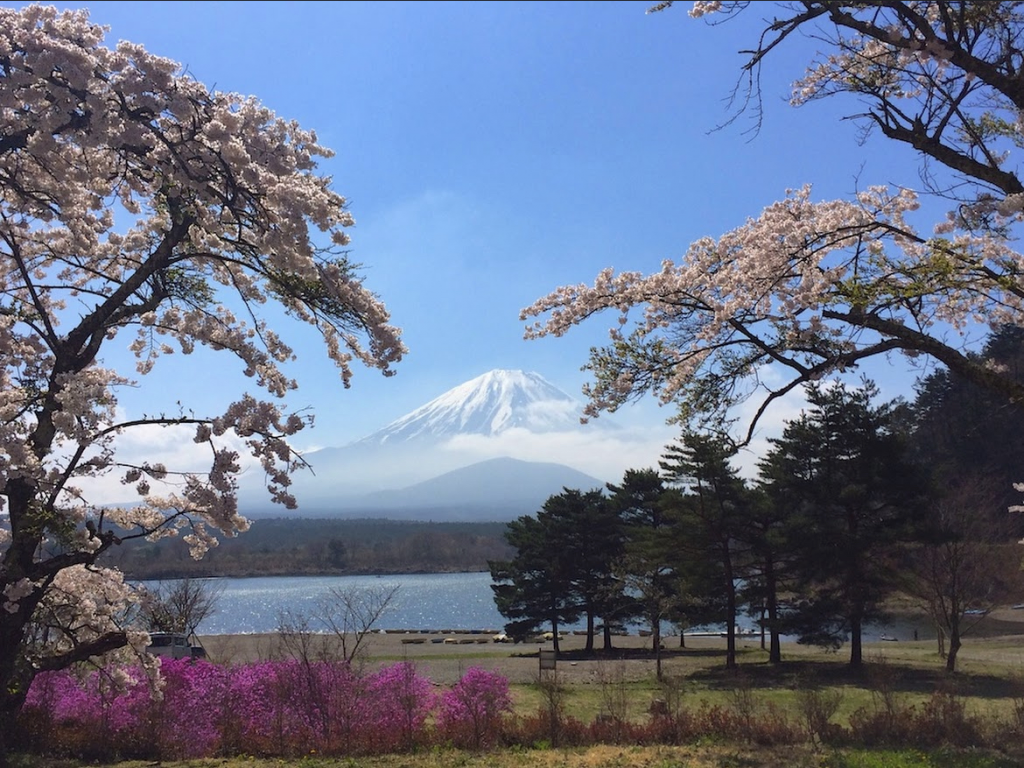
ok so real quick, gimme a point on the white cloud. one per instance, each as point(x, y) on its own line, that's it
point(171, 446)
point(770, 425)
point(603, 454)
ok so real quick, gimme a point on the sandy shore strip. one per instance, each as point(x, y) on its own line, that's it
point(443, 656)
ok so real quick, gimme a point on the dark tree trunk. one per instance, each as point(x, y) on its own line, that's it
point(856, 647)
point(10, 705)
point(656, 639)
point(17, 563)
point(730, 609)
point(954, 646)
point(606, 631)
point(772, 609)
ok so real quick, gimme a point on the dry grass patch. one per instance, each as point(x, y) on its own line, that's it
point(708, 756)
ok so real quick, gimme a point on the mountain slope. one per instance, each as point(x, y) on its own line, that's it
point(490, 404)
point(439, 458)
point(503, 481)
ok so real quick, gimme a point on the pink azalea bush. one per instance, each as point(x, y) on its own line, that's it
point(400, 701)
point(471, 710)
point(182, 722)
point(282, 708)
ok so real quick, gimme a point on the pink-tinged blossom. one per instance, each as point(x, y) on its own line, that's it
point(15, 592)
point(140, 208)
point(281, 707)
point(770, 288)
point(704, 7)
point(810, 288)
point(471, 710)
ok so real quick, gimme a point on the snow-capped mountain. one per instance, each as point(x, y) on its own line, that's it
point(492, 448)
point(488, 405)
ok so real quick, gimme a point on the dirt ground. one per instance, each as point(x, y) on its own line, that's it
point(445, 656)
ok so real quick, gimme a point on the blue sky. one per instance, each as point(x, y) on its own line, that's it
point(492, 151)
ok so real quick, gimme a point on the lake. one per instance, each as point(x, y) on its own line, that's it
point(430, 601)
point(423, 601)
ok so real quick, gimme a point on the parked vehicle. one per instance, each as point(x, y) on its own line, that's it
point(175, 645)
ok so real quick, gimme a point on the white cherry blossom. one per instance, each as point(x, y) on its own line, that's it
point(140, 209)
point(810, 288)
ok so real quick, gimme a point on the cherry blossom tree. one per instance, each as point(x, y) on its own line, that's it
point(141, 210)
point(811, 288)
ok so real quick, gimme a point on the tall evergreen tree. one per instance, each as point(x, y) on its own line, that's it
point(770, 564)
point(970, 434)
point(563, 566)
point(714, 512)
point(535, 586)
point(593, 544)
point(648, 561)
point(855, 494)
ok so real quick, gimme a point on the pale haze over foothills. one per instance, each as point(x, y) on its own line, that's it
point(491, 152)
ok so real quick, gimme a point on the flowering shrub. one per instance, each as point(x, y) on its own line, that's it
point(281, 708)
point(287, 707)
point(290, 708)
point(471, 710)
point(399, 703)
point(271, 705)
point(182, 722)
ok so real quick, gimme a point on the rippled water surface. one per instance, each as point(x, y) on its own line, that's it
point(423, 601)
point(446, 601)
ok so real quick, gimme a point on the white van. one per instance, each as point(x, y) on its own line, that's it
point(174, 645)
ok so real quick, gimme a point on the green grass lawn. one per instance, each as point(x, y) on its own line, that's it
point(990, 680)
point(611, 756)
point(903, 677)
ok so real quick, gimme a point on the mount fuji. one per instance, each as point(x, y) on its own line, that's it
point(490, 404)
point(469, 454)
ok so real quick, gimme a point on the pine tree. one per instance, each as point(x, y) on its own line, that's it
point(648, 563)
point(593, 543)
point(562, 568)
point(854, 494)
point(533, 588)
point(714, 511)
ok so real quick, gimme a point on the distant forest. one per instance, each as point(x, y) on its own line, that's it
point(318, 546)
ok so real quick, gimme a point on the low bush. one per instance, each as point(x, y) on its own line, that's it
point(284, 709)
point(471, 711)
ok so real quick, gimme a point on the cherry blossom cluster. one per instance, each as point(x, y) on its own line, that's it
point(809, 288)
point(140, 209)
point(784, 275)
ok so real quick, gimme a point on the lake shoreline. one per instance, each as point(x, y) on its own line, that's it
point(297, 574)
point(444, 657)
point(450, 602)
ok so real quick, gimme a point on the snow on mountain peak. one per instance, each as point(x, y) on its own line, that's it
point(490, 404)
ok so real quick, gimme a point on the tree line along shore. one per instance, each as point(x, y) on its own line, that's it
point(297, 546)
